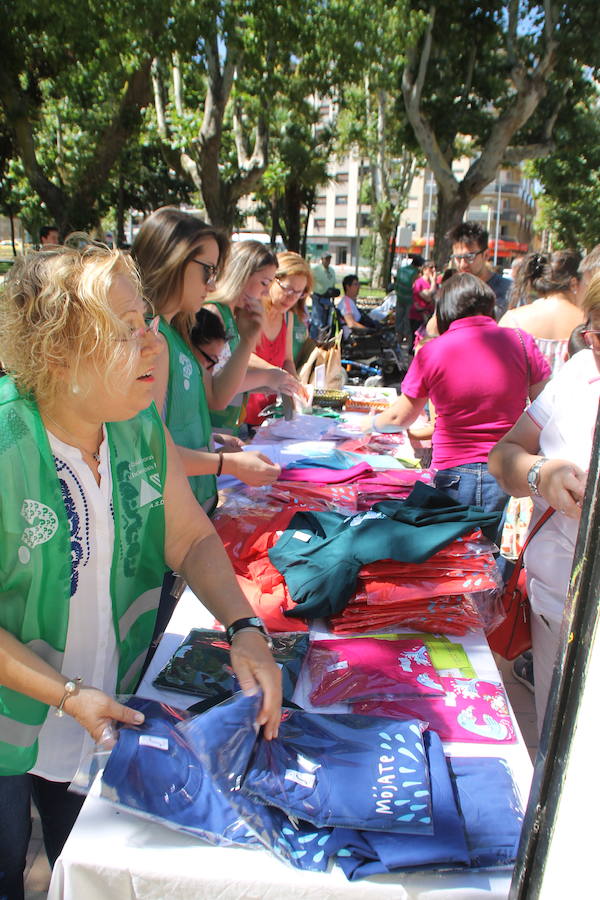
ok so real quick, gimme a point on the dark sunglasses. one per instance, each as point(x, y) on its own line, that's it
point(210, 271)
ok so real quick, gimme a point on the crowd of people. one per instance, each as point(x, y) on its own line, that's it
point(132, 379)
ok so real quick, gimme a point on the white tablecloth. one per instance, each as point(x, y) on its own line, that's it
point(112, 854)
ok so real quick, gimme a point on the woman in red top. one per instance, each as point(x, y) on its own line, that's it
point(292, 283)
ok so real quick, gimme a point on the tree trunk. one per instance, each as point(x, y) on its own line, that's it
point(11, 219)
point(292, 206)
point(450, 212)
point(120, 236)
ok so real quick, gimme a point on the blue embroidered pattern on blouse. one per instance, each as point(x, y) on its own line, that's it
point(80, 532)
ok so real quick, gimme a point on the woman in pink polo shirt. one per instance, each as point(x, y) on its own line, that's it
point(479, 377)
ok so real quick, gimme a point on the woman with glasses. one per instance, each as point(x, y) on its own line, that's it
point(94, 507)
point(179, 257)
point(291, 285)
point(546, 456)
point(247, 277)
point(554, 280)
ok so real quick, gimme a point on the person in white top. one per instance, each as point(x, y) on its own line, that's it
point(79, 583)
point(546, 455)
point(353, 318)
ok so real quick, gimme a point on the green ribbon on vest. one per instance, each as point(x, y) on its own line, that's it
point(35, 554)
point(228, 418)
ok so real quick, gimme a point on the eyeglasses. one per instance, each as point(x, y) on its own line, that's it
point(592, 338)
point(210, 271)
point(211, 361)
point(137, 334)
point(468, 257)
point(288, 290)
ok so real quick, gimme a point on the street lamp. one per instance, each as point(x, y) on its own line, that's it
point(428, 233)
point(497, 219)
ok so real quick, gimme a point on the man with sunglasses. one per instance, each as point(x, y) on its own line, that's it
point(470, 254)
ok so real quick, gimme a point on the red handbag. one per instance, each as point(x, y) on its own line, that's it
point(513, 635)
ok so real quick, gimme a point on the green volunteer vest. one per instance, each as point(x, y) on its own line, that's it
point(35, 554)
point(229, 417)
point(187, 415)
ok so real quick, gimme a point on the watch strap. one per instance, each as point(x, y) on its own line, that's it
point(251, 623)
point(533, 475)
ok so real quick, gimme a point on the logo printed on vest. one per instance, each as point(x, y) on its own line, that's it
point(148, 493)
point(43, 522)
point(186, 366)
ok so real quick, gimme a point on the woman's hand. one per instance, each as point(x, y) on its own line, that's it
point(229, 443)
point(249, 319)
point(562, 485)
point(251, 467)
point(96, 712)
point(254, 666)
point(285, 383)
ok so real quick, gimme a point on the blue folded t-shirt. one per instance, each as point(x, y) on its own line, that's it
point(364, 772)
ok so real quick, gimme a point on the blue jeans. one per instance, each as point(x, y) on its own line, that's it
point(473, 485)
point(58, 810)
point(320, 315)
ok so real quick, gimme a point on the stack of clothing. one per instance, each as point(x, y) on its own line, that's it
point(413, 563)
point(396, 677)
point(405, 807)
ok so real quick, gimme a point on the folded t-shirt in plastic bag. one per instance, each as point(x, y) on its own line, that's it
point(365, 853)
point(346, 770)
point(462, 709)
point(220, 739)
point(153, 770)
point(201, 665)
point(490, 807)
point(360, 668)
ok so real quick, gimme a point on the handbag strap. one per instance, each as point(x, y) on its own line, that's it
point(512, 581)
point(528, 364)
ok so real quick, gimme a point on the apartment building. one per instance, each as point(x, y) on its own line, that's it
point(340, 221)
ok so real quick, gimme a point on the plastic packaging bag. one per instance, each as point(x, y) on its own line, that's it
point(153, 771)
point(345, 770)
point(201, 666)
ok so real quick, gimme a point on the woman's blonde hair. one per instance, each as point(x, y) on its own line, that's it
point(290, 263)
point(164, 245)
point(245, 260)
point(591, 301)
point(55, 313)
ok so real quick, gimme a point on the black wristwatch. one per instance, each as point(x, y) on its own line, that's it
point(253, 623)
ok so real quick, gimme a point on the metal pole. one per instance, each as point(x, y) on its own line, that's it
point(428, 234)
point(497, 219)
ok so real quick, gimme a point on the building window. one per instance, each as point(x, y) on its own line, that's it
point(341, 200)
point(319, 223)
point(342, 256)
point(340, 223)
point(342, 178)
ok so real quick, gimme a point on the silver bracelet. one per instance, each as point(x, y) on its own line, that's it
point(71, 688)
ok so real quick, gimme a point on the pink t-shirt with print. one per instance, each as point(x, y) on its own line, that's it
point(476, 375)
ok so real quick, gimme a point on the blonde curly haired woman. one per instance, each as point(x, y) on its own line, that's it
point(94, 508)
